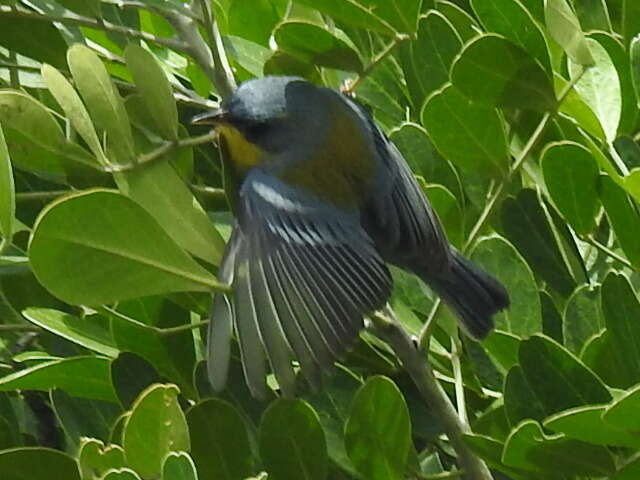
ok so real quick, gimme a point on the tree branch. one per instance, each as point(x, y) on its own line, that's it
point(389, 330)
point(18, 12)
point(398, 39)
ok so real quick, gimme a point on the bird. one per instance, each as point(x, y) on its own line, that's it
point(323, 202)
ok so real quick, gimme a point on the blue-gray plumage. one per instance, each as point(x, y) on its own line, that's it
point(323, 202)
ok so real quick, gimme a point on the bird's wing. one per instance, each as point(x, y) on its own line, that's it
point(398, 215)
point(303, 274)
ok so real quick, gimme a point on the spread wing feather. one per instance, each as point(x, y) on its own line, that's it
point(304, 274)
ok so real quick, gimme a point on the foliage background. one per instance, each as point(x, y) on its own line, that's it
point(520, 117)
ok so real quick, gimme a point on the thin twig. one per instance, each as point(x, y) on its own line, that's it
point(162, 150)
point(14, 73)
point(397, 40)
point(36, 196)
point(167, 332)
point(211, 192)
point(18, 327)
point(224, 80)
point(388, 329)
point(456, 348)
point(607, 251)
point(16, 12)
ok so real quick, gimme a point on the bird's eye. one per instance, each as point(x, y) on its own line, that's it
point(256, 130)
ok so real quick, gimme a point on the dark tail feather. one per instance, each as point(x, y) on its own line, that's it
point(472, 293)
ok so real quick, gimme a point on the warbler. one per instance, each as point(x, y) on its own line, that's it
point(323, 201)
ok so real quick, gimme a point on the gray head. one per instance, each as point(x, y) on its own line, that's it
point(271, 111)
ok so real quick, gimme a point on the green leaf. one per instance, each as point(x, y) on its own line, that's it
point(172, 355)
point(559, 380)
point(564, 27)
point(86, 377)
point(463, 23)
point(629, 471)
point(417, 149)
point(179, 466)
point(571, 175)
point(472, 136)
point(40, 142)
point(526, 226)
point(90, 332)
point(623, 218)
point(634, 49)
point(621, 311)
point(81, 417)
point(493, 71)
point(502, 347)
point(622, 413)
point(179, 214)
point(33, 38)
point(426, 73)
point(74, 109)
point(156, 427)
point(219, 441)
point(582, 318)
point(77, 237)
point(292, 443)
point(7, 191)
point(254, 20)
point(593, 14)
point(514, 22)
point(520, 400)
point(95, 459)
point(246, 54)
point(448, 210)
point(551, 317)
point(632, 184)
point(600, 88)
point(586, 424)
point(89, 8)
point(498, 256)
point(378, 431)
point(37, 463)
point(384, 16)
point(621, 60)
point(103, 101)
point(575, 107)
point(130, 375)
point(121, 474)
point(316, 45)
point(490, 450)
point(601, 357)
point(156, 92)
point(529, 448)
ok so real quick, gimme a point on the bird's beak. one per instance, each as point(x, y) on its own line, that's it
point(212, 117)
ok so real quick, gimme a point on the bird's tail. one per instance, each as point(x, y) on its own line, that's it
point(472, 293)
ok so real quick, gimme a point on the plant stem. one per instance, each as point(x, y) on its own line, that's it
point(456, 348)
point(607, 251)
point(388, 329)
point(224, 80)
point(35, 196)
point(16, 12)
point(398, 39)
point(217, 193)
point(167, 332)
point(17, 327)
point(162, 150)
point(14, 73)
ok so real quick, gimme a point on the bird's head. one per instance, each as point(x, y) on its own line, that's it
point(266, 116)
